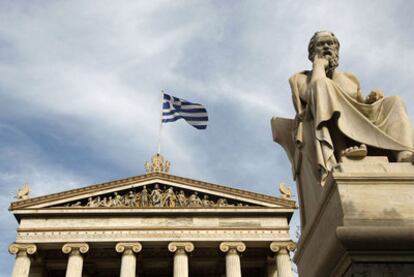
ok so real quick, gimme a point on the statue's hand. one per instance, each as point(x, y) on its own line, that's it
point(320, 61)
point(374, 96)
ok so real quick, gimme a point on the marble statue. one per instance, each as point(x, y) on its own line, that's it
point(182, 199)
point(23, 193)
point(156, 197)
point(335, 120)
point(144, 197)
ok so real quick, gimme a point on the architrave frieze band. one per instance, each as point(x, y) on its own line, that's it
point(151, 235)
point(232, 192)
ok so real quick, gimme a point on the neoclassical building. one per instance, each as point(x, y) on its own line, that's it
point(155, 224)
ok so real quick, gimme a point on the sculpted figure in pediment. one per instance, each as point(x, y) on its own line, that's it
point(156, 197)
point(194, 200)
point(131, 199)
point(206, 202)
point(170, 198)
point(222, 202)
point(117, 200)
point(109, 201)
point(144, 197)
point(182, 199)
point(91, 202)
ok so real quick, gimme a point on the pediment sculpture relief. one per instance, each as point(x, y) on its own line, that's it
point(155, 197)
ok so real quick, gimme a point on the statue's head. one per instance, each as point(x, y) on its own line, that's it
point(324, 44)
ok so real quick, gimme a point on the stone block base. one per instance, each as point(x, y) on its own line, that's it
point(364, 225)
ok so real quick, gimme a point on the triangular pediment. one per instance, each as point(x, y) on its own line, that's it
point(153, 190)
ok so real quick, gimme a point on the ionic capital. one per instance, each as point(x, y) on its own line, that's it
point(282, 246)
point(75, 248)
point(128, 247)
point(232, 247)
point(180, 247)
point(22, 249)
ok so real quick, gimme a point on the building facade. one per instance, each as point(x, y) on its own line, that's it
point(156, 224)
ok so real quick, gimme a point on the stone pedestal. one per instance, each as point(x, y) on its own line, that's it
point(21, 266)
point(180, 258)
point(75, 260)
point(233, 268)
point(129, 260)
point(364, 222)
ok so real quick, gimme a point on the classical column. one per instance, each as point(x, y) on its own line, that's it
point(21, 266)
point(233, 248)
point(129, 260)
point(283, 263)
point(75, 260)
point(180, 258)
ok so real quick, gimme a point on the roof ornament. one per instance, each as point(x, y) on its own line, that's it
point(285, 191)
point(157, 165)
point(23, 193)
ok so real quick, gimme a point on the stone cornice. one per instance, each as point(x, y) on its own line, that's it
point(153, 176)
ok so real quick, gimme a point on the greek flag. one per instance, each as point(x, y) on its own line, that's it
point(174, 108)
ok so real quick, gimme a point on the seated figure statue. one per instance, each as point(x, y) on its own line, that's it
point(334, 119)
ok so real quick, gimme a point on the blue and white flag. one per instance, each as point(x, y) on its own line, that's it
point(174, 108)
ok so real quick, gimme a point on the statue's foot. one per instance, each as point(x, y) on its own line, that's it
point(355, 152)
point(405, 156)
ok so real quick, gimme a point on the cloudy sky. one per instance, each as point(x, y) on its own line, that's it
point(80, 86)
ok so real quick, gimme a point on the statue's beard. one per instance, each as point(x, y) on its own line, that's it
point(333, 63)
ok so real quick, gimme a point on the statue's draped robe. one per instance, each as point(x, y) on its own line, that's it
point(383, 124)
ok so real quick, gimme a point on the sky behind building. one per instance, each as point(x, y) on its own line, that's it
point(81, 81)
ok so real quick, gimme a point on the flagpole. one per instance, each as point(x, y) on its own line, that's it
point(160, 130)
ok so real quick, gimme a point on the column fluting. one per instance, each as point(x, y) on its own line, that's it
point(283, 262)
point(75, 261)
point(129, 259)
point(180, 257)
point(233, 267)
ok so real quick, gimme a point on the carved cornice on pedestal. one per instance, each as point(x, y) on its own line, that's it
point(180, 247)
point(70, 248)
point(282, 246)
point(22, 248)
point(128, 247)
point(232, 246)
